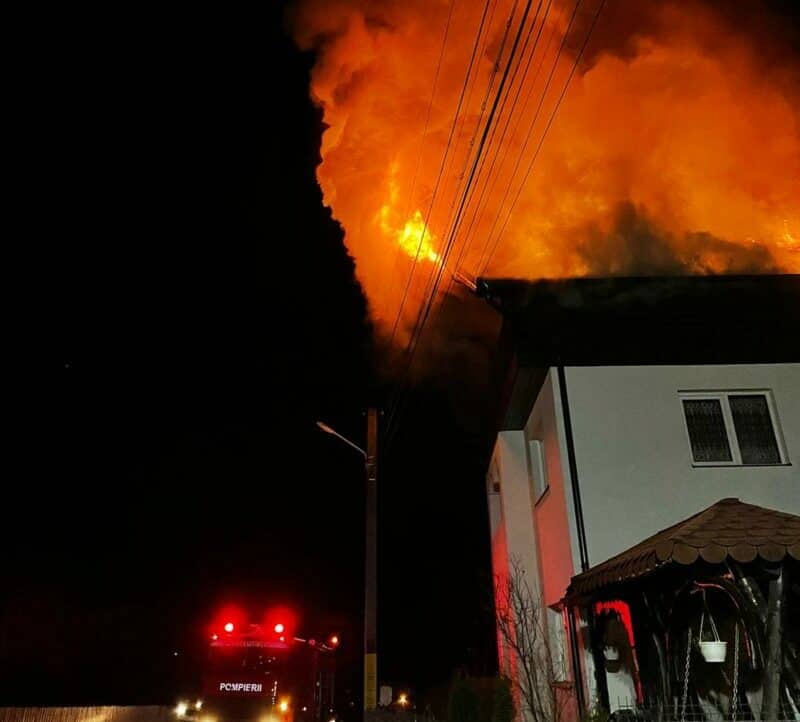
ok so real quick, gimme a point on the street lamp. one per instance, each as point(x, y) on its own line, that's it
point(370, 567)
point(328, 430)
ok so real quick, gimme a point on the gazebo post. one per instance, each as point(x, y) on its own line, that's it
point(772, 669)
point(655, 625)
point(577, 673)
point(598, 659)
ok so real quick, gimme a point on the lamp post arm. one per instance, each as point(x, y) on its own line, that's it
point(328, 430)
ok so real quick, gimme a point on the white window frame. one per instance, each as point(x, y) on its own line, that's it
point(558, 640)
point(730, 430)
point(537, 472)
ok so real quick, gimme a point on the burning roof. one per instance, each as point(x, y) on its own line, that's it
point(573, 140)
point(662, 320)
point(634, 321)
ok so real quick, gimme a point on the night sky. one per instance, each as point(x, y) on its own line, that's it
point(190, 312)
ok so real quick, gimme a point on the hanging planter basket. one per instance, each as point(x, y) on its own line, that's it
point(714, 651)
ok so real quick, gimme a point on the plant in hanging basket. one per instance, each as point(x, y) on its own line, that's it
point(714, 651)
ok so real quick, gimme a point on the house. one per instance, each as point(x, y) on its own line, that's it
point(633, 405)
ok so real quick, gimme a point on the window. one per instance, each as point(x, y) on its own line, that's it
point(753, 425)
point(538, 469)
point(557, 637)
point(707, 433)
point(732, 428)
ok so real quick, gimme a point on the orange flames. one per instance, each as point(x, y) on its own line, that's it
point(675, 149)
point(412, 237)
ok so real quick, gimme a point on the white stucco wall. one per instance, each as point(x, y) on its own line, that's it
point(633, 457)
point(539, 532)
point(534, 535)
point(554, 511)
point(515, 504)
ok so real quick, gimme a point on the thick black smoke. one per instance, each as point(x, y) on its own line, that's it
point(770, 27)
point(635, 245)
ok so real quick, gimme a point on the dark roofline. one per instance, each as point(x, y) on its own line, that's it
point(691, 320)
point(650, 320)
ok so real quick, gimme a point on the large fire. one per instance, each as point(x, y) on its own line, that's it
point(675, 149)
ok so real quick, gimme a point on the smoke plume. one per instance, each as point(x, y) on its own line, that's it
point(675, 149)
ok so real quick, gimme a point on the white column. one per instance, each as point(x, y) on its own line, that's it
point(516, 506)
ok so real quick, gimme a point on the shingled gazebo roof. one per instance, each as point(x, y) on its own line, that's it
point(729, 529)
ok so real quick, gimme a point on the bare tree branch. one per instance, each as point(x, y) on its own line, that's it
point(528, 654)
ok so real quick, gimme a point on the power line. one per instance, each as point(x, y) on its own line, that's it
point(484, 196)
point(546, 129)
point(479, 33)
point(431, 298)
point(403, 383)
point(490, 85)
point(504, 40)
point(463, 118)
point(478, 160)
point(422, 140)
point(426, 220)
point(427, 305)
point(528, 136)
point(452, 229)
point(489, 123)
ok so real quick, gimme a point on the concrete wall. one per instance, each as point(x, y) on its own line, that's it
point(86, 714)
point(634, 461)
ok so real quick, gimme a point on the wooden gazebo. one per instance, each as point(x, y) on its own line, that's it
point(733, 561)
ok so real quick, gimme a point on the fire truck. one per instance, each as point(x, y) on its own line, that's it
point(265, 671)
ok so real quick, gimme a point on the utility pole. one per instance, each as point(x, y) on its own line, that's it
point(370, 557)
point(371, 568)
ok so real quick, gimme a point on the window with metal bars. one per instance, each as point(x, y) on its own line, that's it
point(732, 428)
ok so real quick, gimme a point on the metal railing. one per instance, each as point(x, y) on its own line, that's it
point(87, 714)
point(630, 711)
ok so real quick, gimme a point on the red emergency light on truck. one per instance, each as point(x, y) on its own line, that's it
point(263, 670)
